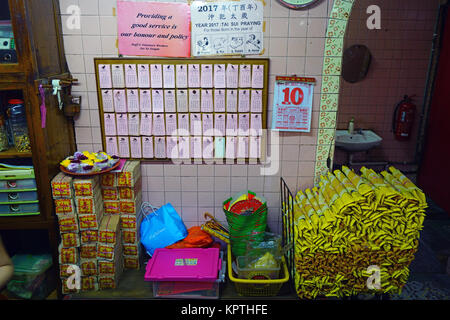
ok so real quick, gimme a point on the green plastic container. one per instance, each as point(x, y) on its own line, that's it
point(29, 275)
point(18, 196)
point(16, 179)
point(18, 192)
point(19, 208)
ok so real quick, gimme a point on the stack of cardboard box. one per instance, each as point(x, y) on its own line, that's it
point(122, 194)
point(63, 194)
point(109, 258)
point(89, 204)
point(99, 219)
point(79, 207)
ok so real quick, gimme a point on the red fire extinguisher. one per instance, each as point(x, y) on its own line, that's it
point(403, 120)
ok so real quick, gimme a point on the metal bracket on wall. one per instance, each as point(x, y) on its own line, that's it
point(64, 83)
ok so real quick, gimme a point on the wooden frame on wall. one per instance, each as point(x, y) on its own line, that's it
point(186, 61)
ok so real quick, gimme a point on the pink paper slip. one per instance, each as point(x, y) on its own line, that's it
point(121, 164)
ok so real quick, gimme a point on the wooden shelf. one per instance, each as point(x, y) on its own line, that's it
point(13, 153)
point(26, 222)
point(39, 46)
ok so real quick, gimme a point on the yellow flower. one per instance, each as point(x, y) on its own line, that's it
point(88, 161)
point(65, 163)
point(89, 155)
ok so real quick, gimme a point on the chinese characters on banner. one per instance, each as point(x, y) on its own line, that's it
point(292, 104)
point(153, 29)
point(227, 27)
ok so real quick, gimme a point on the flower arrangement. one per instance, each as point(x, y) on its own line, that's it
point(87, 162)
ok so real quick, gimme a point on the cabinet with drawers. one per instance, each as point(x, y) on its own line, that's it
point(18, 193)
point(31, 55)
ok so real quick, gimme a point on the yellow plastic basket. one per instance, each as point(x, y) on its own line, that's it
point(257, 288)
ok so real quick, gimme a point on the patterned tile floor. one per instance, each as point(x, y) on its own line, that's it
point(430, 273)
point(429, 278)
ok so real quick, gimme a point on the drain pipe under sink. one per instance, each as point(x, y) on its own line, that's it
point(365, 163)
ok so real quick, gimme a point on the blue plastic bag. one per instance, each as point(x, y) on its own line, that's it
point(161, 228)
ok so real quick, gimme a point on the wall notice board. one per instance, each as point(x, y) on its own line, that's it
point(191, 108)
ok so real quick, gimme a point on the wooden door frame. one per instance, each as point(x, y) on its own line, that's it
point(22, 46)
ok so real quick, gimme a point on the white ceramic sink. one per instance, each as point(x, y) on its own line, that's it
point(361, 140)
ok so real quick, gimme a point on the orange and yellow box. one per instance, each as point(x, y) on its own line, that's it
point(65, 287)
point(86, 187)
point(64, 271)
point(89, 283)
point(88, 267)
point(88, 222)
point(131, 262)
point(68, 223)
point(107, 282)
point(109, 193)
point(109, 229)
point(106, 267)
point(130, 193)
point(68, 255)
point(108, 179)
point(105, 251)
point(129, 175)
point(128, 221)
point(70, 239)
point(88, 236)
point(131, 250)
point(130, 236)
point(88, 251)
point(64, 206)
point(89, 205)
point(62, 186)
point(111, 207)
point(131, 206)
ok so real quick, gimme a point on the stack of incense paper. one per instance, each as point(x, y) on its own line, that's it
point(351, 223)
point(122, 195)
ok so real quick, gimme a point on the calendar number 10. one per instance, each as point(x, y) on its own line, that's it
point(294, 96)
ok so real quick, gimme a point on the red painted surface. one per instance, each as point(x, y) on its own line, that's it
point(434, 175)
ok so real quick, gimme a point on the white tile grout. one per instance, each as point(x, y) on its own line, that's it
point(312, 65)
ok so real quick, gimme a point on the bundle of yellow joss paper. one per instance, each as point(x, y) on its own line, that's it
point(352, 222)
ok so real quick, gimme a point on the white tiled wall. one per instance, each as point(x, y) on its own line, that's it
point(294, 42)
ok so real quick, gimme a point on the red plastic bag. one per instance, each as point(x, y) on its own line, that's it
point(196, 238)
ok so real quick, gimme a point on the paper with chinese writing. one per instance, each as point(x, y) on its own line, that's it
point(292, 106)
point(136, 147)
point(145, 101)
point(147, 147)
point(227, 27)
point(111, 146)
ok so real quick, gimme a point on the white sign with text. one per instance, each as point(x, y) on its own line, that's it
point(227, 27)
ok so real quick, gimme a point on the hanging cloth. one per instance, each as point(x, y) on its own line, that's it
point(57, 91)
point(43, 107)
